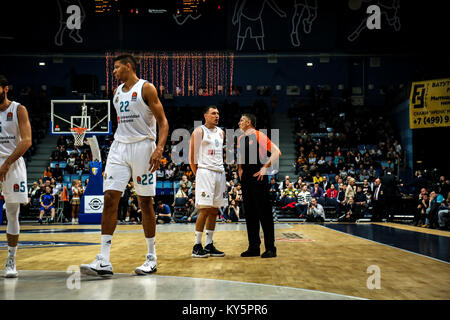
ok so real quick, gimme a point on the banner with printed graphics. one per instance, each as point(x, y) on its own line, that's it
point(429, 104)
point(93, 204)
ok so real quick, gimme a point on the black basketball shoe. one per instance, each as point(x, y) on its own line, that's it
point(213, 252)
point(199, 252)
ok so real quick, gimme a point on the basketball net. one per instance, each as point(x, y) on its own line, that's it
point(78, 136)
point(79, 132)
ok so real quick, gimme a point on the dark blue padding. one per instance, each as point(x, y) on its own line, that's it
point(94, 188)
point(430, 245)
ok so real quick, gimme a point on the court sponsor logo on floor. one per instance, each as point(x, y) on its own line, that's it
point(291, 237)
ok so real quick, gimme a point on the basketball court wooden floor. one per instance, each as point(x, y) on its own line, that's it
point(328, 261)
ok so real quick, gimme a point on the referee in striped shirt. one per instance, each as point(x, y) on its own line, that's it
point(252, 147)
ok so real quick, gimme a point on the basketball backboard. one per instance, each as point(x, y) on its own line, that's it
point(95, 115)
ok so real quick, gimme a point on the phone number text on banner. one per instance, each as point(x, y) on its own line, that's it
point(429, 104)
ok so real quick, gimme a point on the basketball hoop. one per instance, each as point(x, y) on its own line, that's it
point(78, 135)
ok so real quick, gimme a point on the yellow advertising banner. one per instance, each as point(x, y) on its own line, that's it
point(429, 104)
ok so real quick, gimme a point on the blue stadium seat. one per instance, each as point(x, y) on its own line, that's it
point(53, 164)
point(167, 187)
point(62, 164)
point(67, 178)
point(75, 176)
point(176, 184)
point(68, 186)
point(84, 177)
point(159, 188)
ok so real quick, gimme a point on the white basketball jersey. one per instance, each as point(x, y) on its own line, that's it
point(9, 130)
point(210, 153)
point(135, 120)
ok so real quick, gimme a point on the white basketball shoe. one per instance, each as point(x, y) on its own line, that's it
point(100, 267)
point(148, 267)
point(10, 268)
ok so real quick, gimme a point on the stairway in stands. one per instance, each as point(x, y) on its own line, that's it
point(41, 159)
point(282, 122)
point(285, 124)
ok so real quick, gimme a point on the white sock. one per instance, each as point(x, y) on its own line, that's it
point(106, 246)
point(209, 236)
point(151, 245)
point(12, 251)
point(198, 237)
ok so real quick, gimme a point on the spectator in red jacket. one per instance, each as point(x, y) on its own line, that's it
point(332, 192)
point(331, 197)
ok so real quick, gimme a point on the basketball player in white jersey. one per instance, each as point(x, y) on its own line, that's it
point(15, 139)
point(133, 154)
point(206, 160)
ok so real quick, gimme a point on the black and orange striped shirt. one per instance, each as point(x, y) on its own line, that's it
point(253, 152)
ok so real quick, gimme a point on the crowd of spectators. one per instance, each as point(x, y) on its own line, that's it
point(344, 153)
point(360, 144)
point(432, 203)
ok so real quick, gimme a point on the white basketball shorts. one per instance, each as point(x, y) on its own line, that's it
point(15, 189)
point(130, 160)
point(210, 189)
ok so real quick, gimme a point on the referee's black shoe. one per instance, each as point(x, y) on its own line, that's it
point(213, 252)
point(271, 253)
point(250, 253)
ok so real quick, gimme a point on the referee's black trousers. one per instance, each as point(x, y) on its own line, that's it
point(258, 209)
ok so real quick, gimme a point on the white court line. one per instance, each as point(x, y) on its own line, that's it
point(208, 279)
point(268, 285)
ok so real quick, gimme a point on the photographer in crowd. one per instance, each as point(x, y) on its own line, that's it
point(315, 212)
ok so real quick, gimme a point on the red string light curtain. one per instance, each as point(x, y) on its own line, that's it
point(182, 73)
